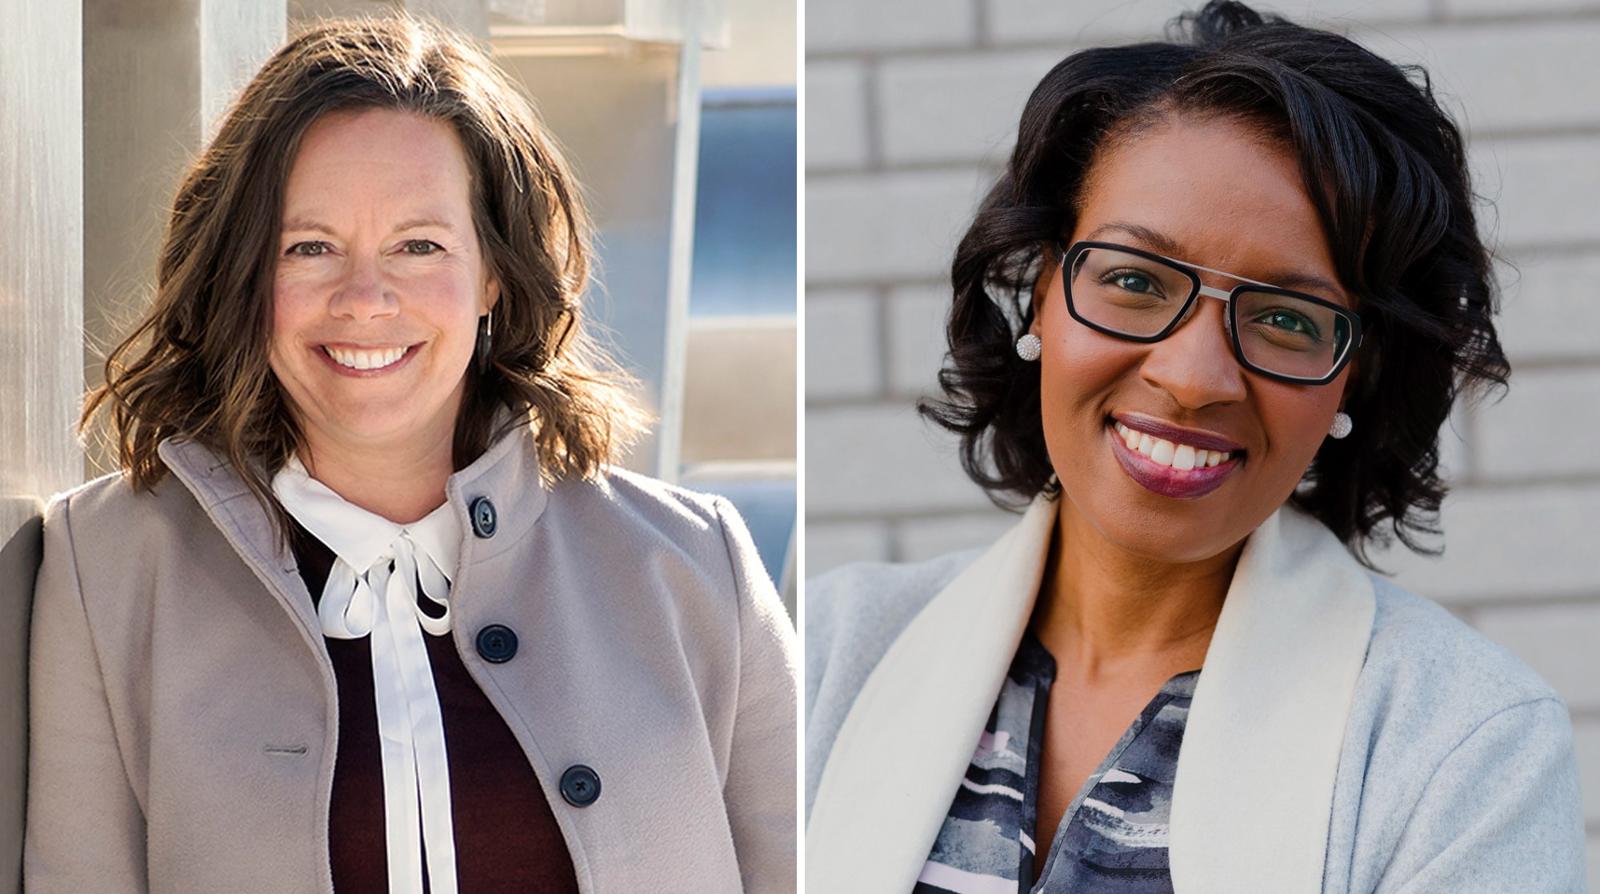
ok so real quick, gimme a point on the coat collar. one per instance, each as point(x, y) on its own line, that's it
point(507, 473)
point(1271, 704)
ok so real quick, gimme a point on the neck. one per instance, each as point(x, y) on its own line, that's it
point(1106, 613)
point(402, 482)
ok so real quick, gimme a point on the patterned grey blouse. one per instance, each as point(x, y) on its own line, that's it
point(1113, 838)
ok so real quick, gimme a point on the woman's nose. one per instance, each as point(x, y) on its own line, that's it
point(1195, 364)
point(362, 293)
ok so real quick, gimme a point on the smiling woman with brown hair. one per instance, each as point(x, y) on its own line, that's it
point(366, 606)
point(1206, 325)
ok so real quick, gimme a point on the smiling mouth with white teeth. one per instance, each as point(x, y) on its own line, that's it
point(1172, 468)
point(365, 360)
point(1168, 453)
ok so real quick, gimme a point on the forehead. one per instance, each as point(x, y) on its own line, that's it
point(1224, 195)
point(350, 160)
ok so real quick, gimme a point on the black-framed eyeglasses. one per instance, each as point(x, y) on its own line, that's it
point(1141, 296)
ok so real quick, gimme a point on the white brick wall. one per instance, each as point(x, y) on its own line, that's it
point(881, 459)
point(1510, 544)
point(1491, 8)
point(1023, 21)
point(916, 97)
point(1541, 407)
point(1506, 79)
point(1557, 641)
point(885, 227)
point(833, 25)
point(911, 107)
point(1587, 735)
point(1545, 188)
point(839, 139)
point(844, 542)
point(924, 538)
point(842, 358)
point(916, 338)
point(1549, 311)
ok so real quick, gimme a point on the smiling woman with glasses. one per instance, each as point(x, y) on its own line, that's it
point(1205, 328)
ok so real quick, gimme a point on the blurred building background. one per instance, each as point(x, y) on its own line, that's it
point(679, 117)
point(911, 108)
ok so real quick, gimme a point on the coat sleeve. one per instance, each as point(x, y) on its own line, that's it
point(85, 830)
point(760, 790)
point(1501, 813)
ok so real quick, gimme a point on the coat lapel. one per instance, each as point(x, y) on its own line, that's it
point(909, 735)
point(1254, 791)
point(227, 501)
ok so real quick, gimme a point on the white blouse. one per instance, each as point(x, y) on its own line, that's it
point(376, 556)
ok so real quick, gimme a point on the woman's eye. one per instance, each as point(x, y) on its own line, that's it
point(422, 247)
point(308, 249)
point(1289, 322)
point(1132, 281)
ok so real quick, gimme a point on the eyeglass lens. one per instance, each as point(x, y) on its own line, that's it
point(1137, 296)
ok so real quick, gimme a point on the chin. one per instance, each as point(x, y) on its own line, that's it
point(379, 421)
point(1165, 537)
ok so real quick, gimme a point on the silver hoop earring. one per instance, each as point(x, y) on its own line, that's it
point(1029, 347)
point(485, 333)
point(1342, 426)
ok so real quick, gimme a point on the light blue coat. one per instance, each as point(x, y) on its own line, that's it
point(1346, 735)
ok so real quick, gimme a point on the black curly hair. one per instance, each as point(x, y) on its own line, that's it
point(1386, 169)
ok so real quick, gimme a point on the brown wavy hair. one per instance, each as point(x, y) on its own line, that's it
point(196, 365)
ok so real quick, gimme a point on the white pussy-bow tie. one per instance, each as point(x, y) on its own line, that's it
point(372, 591)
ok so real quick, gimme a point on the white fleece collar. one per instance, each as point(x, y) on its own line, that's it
point(1271, 705)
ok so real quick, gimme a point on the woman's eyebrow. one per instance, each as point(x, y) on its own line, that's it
point(307, 223)
point(1159, 241)
point(416, 222)
point(1309, 282)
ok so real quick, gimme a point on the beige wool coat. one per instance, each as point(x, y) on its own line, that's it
point(183, 715)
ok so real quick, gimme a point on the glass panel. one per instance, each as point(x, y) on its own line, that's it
point(745, 211)
point(1127, 292)
point(1290, 336)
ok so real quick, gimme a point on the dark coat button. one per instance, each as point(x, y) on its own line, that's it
point(580, 785)
point(483, 517)
point(497, 643)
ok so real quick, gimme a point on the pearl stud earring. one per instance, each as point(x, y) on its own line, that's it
point(1342, 426)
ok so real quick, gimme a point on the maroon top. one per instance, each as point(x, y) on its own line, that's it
point(506, 836)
